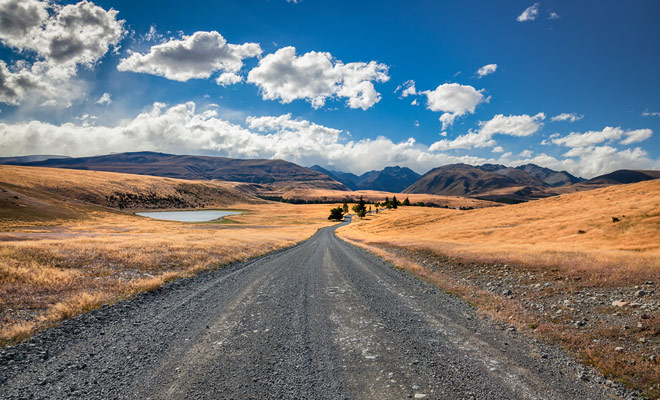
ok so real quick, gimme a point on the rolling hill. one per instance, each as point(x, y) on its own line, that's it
point(257, 171)
point(33, 193)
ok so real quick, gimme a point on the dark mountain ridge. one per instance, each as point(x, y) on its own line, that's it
point(196, 167)
point(390, 179)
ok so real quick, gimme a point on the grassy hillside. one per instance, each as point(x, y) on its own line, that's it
point(66, 247)
point(581, 269)
point(577, 223)
point(34, 193)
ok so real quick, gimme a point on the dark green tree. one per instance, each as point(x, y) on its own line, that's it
point(406, 202)
point(360, 208)
point(395, 202)
point(336, 214)
point(345, 206)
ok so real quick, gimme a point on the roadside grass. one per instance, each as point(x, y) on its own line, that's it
point(558, 276)
point(62, 253)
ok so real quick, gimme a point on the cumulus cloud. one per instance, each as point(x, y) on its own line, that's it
point(228, 78)
point(59, 39)
point(526, 153)
point(106, 98)
point(512, 125)
point(607, 135)
point(553, 15)
point(317, 77)
point(184, 129)
point(486, 70)
point(454, 100)
point(572, 117)
point(197, 56)
point(530, 13)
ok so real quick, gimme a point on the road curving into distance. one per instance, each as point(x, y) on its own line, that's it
point(320, 320)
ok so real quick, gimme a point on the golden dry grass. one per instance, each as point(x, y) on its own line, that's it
point(543, 232)
point(464, 251)
point(375, 195)
point(60, 257)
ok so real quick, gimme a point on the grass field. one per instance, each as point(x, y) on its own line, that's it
point(64, 251)
point(581, 270)
point(375, 195)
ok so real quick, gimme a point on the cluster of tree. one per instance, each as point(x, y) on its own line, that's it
point(360, 208)
point(394, 203)
point(296, 201)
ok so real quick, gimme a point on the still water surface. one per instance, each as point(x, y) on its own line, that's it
point(188, 216)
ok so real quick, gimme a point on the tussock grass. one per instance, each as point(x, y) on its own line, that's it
point(539, 233)
point(55, 264)
point(536, 242)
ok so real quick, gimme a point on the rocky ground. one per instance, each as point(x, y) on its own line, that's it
point(614, 327)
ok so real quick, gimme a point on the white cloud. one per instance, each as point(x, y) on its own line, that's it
point(498, 149)
point(553, 15)
point(407, 89)
point(59, 39)
point(526, 153)
point(512, 125)
point(651, 114)
point(529, 14)
point(486, 70)
point(105, 99)
point(183, 129)
point(316, 77)
point(228, 78)
point(414, 102)
point(607, 135)
point(197, 56)
point(572, 117)
point(454, 100)
point(416, 123)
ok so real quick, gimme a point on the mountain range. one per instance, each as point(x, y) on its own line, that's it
point(257, 171)
point(260, 176)
point(390, 179)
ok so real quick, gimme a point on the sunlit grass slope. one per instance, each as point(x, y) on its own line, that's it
point(613, 232)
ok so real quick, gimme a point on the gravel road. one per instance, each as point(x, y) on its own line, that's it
point(321, 320)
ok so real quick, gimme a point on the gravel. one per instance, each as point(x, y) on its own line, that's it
point(320, 320)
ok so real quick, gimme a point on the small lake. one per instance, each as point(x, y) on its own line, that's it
point(188, 216)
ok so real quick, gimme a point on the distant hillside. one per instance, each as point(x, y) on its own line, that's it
point(460, 180)
point(34, 193)
point(623, 176)
point(25, 159)
point(527, 182)
point(390, 179)
point(549, 176)
point(197, 168)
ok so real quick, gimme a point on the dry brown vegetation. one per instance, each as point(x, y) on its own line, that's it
point(60, 257)
point(374, 195)
point(553, 267)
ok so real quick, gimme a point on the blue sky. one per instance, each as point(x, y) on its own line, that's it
point(315, 82)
